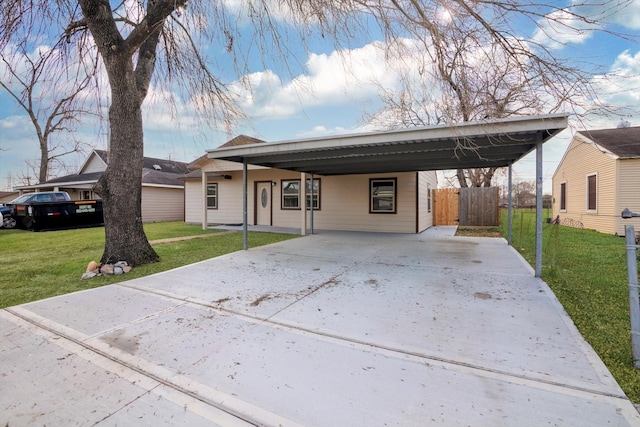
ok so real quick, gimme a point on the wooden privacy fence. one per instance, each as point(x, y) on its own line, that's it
point(473, 206)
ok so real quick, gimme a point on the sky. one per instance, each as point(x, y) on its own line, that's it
point(331, 90)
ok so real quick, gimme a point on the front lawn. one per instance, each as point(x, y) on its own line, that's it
point(587, 271)
point(38, 265)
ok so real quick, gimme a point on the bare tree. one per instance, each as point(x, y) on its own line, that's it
point(163, 40)
point(49, 92)
point(468, 72)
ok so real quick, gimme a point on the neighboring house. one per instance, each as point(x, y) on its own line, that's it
point(7, 196)
point(389, 202)
point(597, 178)
point(162, 190)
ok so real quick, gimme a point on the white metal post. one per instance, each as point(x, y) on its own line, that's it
point(245, 227)
point(539, 207)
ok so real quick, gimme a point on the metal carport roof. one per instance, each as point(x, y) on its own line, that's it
point(464, 145)
point(467, 145)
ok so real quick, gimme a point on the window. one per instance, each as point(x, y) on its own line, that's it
point(316, 194)
point(212, 196)
point(563, 196)
point(382, 195)
point(592, 192)
point(291, 194)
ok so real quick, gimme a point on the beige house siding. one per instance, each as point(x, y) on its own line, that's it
point(345, 205)
point(344, 200)
point(162, 204)
point(628, 193)
point(581, 160)
point(427, 182)
point(193, 201)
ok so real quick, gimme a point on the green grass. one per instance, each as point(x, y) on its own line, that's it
point(587, 271)
point(44, 264)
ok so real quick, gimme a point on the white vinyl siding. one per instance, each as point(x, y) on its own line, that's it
point(94, 164)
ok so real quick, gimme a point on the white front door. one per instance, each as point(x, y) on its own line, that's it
point(263, 203)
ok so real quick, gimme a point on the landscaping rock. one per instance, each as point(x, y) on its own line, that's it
point(107, 269)
point(93, 266)
point(94, 269)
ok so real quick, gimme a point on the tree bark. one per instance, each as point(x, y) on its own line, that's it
point(120, 186)
point(462, 180)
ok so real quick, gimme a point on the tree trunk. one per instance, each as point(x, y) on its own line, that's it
point(462, 180)
point(121, 184)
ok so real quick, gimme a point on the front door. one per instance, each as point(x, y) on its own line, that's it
point(263, 203)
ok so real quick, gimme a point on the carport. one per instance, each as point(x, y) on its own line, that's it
point(496, 143)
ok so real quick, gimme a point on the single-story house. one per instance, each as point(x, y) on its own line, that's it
point(162, 190)
point(379, 181)
point(597, 178)
point(398, 202)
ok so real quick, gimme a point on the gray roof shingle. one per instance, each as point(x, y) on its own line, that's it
point(623, 142)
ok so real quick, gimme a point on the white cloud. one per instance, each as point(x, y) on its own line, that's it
point(621, 86)
point(577, 23)
point(626, 13)
point(560, 28)
point(339, 78)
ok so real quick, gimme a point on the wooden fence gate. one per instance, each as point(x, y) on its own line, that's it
point(445, 206)
point(473, 206)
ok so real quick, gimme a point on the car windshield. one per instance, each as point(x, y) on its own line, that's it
point(22, 198)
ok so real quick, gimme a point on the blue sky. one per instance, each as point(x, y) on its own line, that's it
point(334, 101)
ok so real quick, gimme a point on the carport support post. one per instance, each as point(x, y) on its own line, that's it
point(510, 204)
point(303, 203)
point(245, 228)
point(539, 206)
point(311, 207)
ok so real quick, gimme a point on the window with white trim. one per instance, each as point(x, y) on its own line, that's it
point(382, 195)
point(592, 193)
point(315, 195)
point(212, 196)
point(563, 196)
point(291, 194)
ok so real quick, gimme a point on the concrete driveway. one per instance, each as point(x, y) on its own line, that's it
point(334, 329)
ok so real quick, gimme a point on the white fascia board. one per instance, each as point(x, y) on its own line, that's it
point(178, 187)
point(56, 184)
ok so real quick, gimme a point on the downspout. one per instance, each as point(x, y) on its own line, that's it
point(245, 231)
